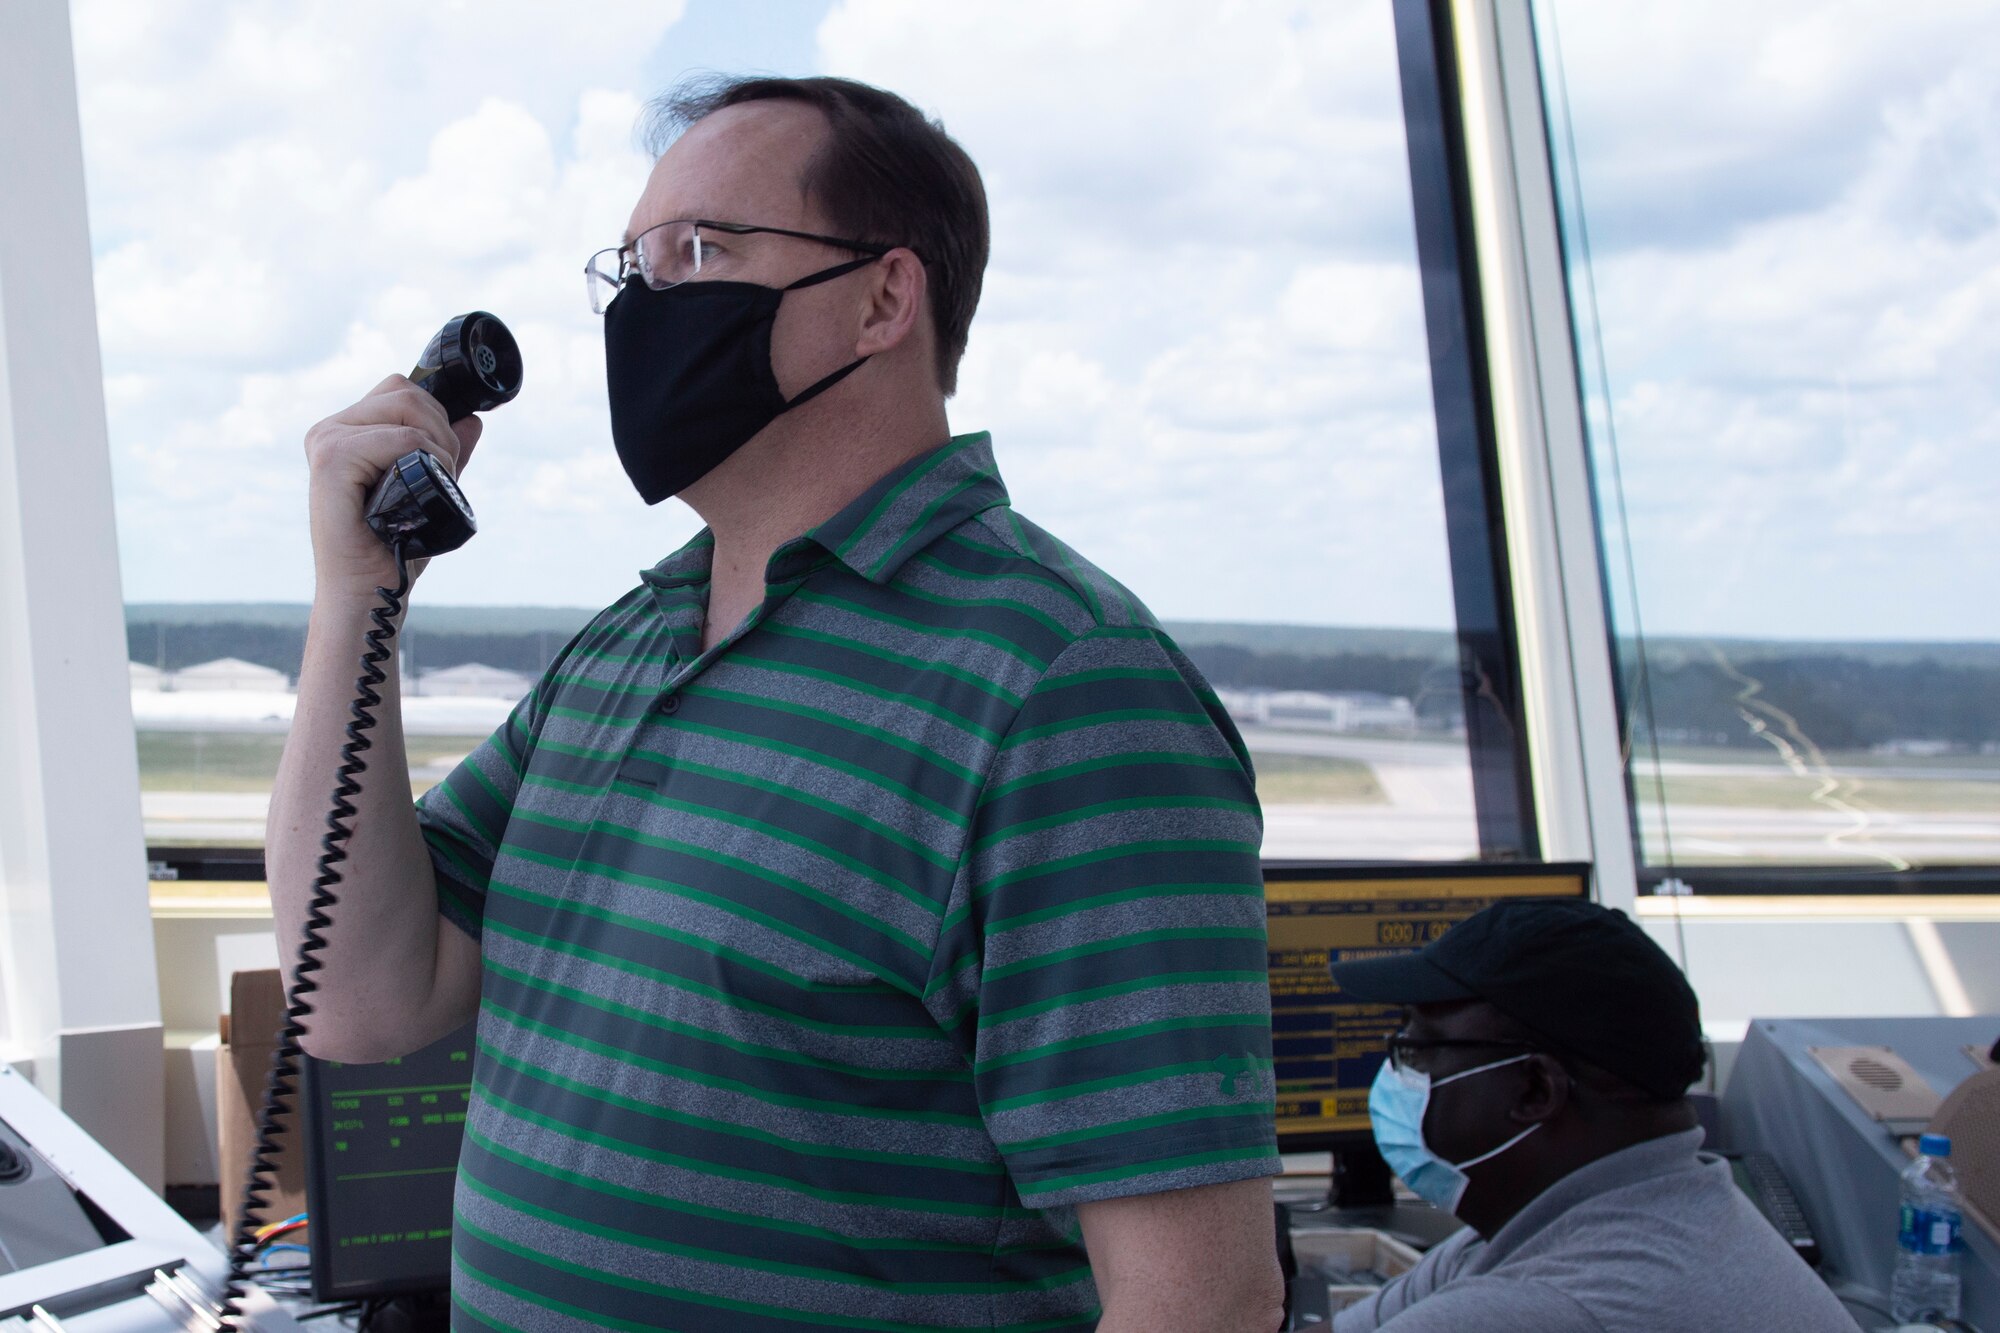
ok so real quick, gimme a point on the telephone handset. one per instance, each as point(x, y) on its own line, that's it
point(472, 365)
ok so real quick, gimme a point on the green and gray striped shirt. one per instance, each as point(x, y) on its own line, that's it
point(826, 971)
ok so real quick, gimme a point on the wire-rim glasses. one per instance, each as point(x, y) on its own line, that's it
point(1402, 1048)
point(671, 253)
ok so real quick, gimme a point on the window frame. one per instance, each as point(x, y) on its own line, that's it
point(1482, 577)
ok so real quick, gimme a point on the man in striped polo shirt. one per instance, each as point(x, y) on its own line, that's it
point(863, 915)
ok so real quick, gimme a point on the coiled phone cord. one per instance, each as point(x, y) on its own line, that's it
point(282, 1082)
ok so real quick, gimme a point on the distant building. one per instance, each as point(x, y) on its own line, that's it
point(231, 674)
point(1684, 735)
point(150, 679)
point(1245, 707)
point(1319, 710)
point(473, 680)
point(1368, 711)
point(1915, 748)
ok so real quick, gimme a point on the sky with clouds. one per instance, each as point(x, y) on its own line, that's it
point(1793, 215)
point(1201, 348)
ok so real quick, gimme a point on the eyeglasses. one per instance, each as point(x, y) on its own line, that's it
point(1403, 1050)
point(671, 253)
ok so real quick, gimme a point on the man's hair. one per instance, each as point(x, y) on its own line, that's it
point(886, 175)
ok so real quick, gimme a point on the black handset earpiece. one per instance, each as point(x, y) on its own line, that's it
point(472, 365)
point(417, 510)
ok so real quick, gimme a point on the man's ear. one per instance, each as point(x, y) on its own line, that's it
point(892, 304)
point(1545, 1090)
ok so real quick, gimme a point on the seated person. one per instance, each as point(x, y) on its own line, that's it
point(1538, 1091)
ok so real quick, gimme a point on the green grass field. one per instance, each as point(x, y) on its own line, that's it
point(237, 761)
point(234, 761)
point(1298, 779)
point(1783, 791)
point(1765, 760)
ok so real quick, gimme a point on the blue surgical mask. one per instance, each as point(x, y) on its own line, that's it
point(1396, 1105)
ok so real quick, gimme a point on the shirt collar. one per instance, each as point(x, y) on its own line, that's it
point(688, 566)
point(913, 506)
point(895, 518)
point(1678, 1151)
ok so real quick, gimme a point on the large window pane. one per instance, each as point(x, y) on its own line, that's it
point(1788, 327)
point(1201, 348)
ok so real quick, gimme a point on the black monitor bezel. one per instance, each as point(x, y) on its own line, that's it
point(319, 1185)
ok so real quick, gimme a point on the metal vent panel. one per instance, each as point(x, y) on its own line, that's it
point(1880, 1081)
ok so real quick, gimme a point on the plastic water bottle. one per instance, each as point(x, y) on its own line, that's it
point(1925, 1285)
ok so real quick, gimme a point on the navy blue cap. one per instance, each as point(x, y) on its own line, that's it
point(1583, 978)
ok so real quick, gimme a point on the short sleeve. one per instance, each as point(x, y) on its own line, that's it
point(1102, 961)
point(464, 818)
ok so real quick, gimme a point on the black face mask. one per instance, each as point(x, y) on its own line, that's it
point(688, 369)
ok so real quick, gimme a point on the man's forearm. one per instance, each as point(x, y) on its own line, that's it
point(376, 992)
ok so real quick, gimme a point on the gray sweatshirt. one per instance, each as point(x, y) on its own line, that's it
point(1655, 1238)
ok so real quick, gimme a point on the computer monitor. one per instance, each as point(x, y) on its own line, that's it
point(381, 1163)
point(1327, 1051)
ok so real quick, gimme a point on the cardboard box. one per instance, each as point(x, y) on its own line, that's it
point(242, 1067)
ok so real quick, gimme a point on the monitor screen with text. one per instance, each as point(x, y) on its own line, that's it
point(1326, 1050)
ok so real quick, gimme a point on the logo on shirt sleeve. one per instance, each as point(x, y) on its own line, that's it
point(1238, 1074)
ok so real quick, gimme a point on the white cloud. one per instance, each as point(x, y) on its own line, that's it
point(1202, 263)
point(1802, 387)
point(287, 202)
point(1201, 348)
point(482, 193)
